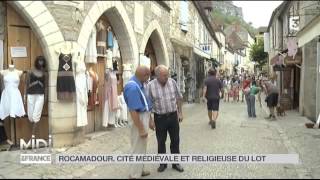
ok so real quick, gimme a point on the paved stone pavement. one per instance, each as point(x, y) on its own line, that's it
point(235, 134)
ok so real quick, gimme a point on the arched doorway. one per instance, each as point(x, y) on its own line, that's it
point(111, 19)
point(153, 46)
point(21, 32)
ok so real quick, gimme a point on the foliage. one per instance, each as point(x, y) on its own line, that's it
point(257, 54)
point(228, 20)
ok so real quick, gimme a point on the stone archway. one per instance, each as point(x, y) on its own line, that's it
point(43, 23)
point(49, 35)
point(154, 32)
point(121, 24)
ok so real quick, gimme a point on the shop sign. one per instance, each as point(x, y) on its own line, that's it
point(18, 52)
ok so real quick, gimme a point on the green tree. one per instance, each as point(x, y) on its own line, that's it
point(257, 54)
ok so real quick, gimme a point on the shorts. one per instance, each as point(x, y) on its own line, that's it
point(35, 106)
point(213, 104)
point(272, 100)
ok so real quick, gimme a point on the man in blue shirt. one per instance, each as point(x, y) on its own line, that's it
point(139, 105)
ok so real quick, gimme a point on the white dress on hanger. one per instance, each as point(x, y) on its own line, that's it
point(115, 49)
point(108, 64)
point(91, 51)
point(11, 101)
point(82, 94)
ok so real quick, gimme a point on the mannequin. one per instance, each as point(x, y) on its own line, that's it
point(65, 80)
point(111, 104)
point(93, 81)
point(81, 92)
point(35, 90)
point(11, 100)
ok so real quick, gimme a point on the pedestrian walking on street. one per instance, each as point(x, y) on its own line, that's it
point(139, 105)
point(227, 88)
point(167, 102)
point(259, 84)
point(235, 89)
point(246, 87)
point(211, 90)
point(251, 100)
point(272, 98)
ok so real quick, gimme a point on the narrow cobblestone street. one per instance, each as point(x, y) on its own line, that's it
point(235, 134)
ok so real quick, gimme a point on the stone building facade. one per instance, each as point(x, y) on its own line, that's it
point(136, 25)
point(70, 22)
point(297, 79)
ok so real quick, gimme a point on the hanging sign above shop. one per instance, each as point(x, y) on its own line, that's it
point(18, 52)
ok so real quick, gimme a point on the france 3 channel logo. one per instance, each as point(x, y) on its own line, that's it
point(35, 144)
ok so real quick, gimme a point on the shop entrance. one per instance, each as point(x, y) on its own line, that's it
point(19, 34)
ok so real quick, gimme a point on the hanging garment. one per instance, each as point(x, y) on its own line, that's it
point(93, 99)
point(65, 81)
point(11, 101)
point(91, 51)
point(111, 104)
point(36, 84)
point(107, 117)
point(110, 39)
point(292, 47)
point(101, 39)
point(108, 62)
point(82, 94)
point(115, 49)
point(114, 92)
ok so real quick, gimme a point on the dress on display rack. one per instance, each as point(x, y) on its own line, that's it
point(65, 81)
point(111, 104)
point(91, 51)
point(11, 101)
point(35, 91)
point(82, 94)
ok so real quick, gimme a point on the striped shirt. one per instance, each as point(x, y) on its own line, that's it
point(164, 98)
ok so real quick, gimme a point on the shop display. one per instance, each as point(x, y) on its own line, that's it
point(91, 51)
point(36, 86)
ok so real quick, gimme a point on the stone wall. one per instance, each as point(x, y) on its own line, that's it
point(309, 85)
